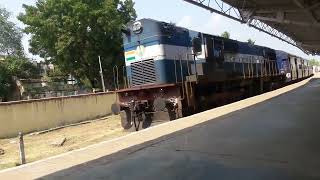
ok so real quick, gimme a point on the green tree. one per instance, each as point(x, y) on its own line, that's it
point(21, 67)
point(56, 75)
point(226, 34)
point(314, 62)
point(5, 82)
point(14, 66)
point(10, 36)
point(71, 34)
point(250, 41)
point(13, 62)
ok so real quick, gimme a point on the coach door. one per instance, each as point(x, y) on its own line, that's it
point(299, 68)
point(293, 68)
point(307, 68)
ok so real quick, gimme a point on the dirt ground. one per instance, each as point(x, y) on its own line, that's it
point(39, 146)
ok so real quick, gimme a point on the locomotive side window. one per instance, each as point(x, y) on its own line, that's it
point(214, 50)
point(217, 52)
point(196, 45)
point(218, 49)
point(167, 29)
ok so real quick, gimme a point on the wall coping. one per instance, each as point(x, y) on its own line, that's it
point(54, 98)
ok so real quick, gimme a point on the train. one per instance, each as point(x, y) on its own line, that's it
point(172, 72)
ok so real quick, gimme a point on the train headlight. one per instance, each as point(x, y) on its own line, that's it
point(288, 75)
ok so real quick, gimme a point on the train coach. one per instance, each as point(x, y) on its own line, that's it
point(173, 72)
point(294, 67)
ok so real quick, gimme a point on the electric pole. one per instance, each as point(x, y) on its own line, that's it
point(101, 74)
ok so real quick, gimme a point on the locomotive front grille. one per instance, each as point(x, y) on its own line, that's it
point(143, 72)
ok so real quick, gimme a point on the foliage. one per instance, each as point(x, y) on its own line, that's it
point(10, 36)
point(314, 62)
point(226, 35)
point(5, 81)
point(12, 62)
point(21, 67)
point(14, 66)
point(72, 33)
point(250, 41)
point(56, 75)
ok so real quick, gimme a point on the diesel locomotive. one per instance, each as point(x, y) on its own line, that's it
point(173, 72)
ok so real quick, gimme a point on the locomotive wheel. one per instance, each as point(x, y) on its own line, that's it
point(173, 114)
point(142, 121)
point(126, 119)
point(137, 121)
point(147, 121)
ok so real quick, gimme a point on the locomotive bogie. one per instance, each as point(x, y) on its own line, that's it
point(153, 102)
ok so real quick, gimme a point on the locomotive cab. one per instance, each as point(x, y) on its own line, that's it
point(152, 50)
point(157, 60)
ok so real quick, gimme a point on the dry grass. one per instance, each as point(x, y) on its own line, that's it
point(39, 146)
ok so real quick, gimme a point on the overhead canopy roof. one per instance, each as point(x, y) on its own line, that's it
point(294, 21)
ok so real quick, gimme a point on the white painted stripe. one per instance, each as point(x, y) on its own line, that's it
point(165, 51)
point(170, 52)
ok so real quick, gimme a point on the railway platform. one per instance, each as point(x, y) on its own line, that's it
point(270, 136)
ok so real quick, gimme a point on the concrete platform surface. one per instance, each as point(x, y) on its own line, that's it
point(270, 136)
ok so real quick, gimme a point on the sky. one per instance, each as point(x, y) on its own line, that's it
point(185, 15)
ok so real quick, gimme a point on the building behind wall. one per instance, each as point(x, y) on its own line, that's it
point(38, 88)
point(45, 86)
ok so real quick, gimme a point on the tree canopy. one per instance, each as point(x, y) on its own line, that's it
point(13, 63)
point(10, 36)
point(72, 33)
point(14, 66)
point(5, 82)
point(226, 34)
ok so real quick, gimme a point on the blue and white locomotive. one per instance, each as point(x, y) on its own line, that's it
point(151, 50)
point(172, 72)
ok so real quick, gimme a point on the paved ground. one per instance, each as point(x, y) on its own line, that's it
point(276, 139)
